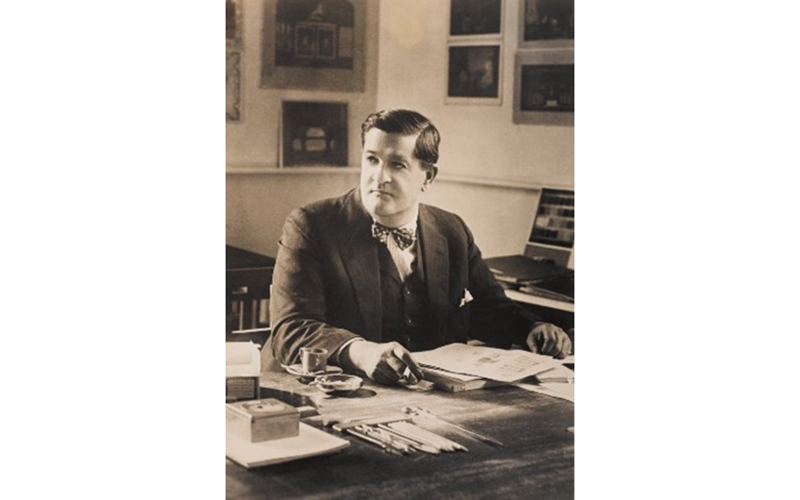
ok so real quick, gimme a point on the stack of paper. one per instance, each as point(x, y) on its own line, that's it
point(458, 367)
point(462, 367)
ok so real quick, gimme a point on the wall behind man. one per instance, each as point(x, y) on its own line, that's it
point(259, 195)
point(490, 168)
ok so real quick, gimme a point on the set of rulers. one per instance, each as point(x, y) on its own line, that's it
point(398, 435)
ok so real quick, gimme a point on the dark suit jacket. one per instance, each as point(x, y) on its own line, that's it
point(326, 284)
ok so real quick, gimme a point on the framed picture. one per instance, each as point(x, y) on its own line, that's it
point(483, 18)
point(316, 44)
point(314, 134)
point(233, 24)
point(233, 85)
point(547, 24)
point(544, 88)
point(474, 74)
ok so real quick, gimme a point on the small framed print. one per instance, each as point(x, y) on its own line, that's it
point(233, 85)
point(544, 88)
point(233, 24)
point(547, 24)
point(476, 18)
point(474, 74)
point(314, 44)
point(314, 134)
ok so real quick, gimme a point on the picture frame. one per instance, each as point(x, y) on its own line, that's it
point(310, 44)
point(544, 88)
point(474, 74)
point(233, 86)
point(546, 24)
point(313, 134)
point(478, 19)
point(233, 24)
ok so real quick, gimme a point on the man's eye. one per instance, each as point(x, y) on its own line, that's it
point(372, 160)
point(398, 166)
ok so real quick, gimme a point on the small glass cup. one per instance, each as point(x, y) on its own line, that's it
point(314, 359)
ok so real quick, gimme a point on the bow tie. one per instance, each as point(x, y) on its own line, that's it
point(402, 236)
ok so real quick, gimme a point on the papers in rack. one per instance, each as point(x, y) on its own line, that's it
point(486, 362)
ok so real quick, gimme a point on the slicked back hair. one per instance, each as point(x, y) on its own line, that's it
point(406, 122)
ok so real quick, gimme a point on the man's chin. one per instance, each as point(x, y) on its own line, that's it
point(376, 207)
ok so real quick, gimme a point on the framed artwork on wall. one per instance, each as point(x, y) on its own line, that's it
point(233, 24)
point(474, 74)
point(547, 24)
point(314, 134)
point(233, 85)
point(544, 88)
point(316, 44)
point(476, 18)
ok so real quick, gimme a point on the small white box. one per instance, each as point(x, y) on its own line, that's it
point(262, 420)
point(242, 371)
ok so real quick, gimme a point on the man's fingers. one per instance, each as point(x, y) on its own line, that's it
point(549, 342)
point(567, 347)
point(560, 348)
point(385, 374)
point(412, 365)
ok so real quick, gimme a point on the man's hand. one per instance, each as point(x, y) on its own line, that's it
point(384, 363)
point(547, 338)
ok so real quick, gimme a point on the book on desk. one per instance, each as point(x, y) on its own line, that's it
point(456, 382)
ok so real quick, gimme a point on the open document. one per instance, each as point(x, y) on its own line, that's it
point(486, 362)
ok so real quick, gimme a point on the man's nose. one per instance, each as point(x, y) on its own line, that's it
point(382, 174)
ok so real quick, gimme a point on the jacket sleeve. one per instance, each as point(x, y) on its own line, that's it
point(494, 318)
point(298, 302)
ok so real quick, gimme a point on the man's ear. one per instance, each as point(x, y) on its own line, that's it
point(430, 175)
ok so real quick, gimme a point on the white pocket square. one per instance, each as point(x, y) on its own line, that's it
point(466, 299)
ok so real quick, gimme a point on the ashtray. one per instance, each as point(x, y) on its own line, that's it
point(297, 370)
point(339, 385)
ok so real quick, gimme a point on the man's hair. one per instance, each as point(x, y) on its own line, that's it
point(405, 122)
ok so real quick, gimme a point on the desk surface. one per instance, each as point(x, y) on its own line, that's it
point(239, 259)
point(537, 460)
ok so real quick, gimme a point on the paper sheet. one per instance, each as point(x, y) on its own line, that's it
point(487, 362)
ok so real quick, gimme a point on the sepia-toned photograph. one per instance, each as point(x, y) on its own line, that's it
point(548, 87)
point(548, 20)
point(306, 33)
point(233, 24)
point(400, 256)
point(314, 134)
point(233, 85)
point(473, 71)
point(317, 44)
point(475, 17)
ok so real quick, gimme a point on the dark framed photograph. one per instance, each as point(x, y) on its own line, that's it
point(314, 134)
point(544, 88)
point(233, 24)
point(474, 73)
point(547, 23)
point(476, 17)
point(233, 85)
point(314, 44)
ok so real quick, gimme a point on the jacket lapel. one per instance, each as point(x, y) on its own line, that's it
point(437, 267)
point(360, 255)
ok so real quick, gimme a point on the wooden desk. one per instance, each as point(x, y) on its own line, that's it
point(537, 460)
point(555, 311)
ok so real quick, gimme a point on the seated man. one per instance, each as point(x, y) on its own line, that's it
point(374, 274)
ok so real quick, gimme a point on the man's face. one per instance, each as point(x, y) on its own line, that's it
point(391, 177)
